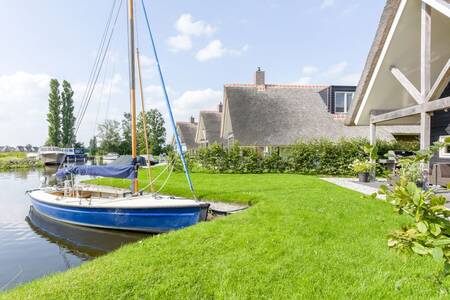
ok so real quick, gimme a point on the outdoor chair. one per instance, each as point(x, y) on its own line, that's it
point(440, 175)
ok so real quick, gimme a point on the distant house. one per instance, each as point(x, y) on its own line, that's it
point(264, 115)
point(21, 149)
point(187, 132)
point(406, 77)
point(208, 130)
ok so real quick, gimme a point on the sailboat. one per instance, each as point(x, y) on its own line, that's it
point(110, 208)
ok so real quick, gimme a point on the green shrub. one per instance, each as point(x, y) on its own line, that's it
point(313, 157)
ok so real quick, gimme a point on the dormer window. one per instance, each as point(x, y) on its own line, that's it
point(343, 100)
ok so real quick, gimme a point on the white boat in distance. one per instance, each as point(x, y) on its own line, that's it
point(52, 155)
point(110, 157)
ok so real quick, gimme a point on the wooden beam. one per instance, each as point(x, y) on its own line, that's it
point(428, 107)
point(397, 114)
point(441, 6)
point(407, 85)
point(425, 130)
point(441, 82)
point(425, 51)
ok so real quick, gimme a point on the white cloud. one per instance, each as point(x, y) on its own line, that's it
point(336, 69)
point(333, 74)
point(304, 80)
point(188, 26)
point(191, 102)
point(23, 98)
point(326, 4)
point(179, 43)
point(309, 70)
point(215, 49)
point(349, 79)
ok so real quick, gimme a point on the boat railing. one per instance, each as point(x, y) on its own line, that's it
point(50, 149)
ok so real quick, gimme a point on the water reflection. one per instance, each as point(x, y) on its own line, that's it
point(84, 242)
point(31, 245)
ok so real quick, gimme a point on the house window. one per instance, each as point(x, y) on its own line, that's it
point(342, 101)
point(445, 151)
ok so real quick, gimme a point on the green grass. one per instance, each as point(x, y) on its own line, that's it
point(303, 238)
point(6, 156)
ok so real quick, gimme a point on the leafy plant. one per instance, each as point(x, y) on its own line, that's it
point(429, 234)
point(363, 166)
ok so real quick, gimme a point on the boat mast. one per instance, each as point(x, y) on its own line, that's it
point(132, 62)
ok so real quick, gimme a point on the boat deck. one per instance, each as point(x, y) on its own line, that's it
point(144, 201)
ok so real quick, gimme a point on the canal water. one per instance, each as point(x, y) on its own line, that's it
point(32, 246)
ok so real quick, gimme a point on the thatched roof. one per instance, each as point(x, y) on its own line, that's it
point(211, 121)
point(384, 27)
point(186, 131)
point(283, 114)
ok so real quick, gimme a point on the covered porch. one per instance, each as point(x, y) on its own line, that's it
point(406, 77)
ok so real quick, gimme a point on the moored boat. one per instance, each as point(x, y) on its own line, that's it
point(110, 157)
point(51, 155)
point(102, 209)
point(110, 208)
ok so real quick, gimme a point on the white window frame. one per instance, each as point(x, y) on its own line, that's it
point(345, 100)
point(443, 153)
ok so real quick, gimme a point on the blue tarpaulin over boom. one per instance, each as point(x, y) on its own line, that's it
point(113, 171)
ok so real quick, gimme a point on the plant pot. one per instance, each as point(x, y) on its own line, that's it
point(364, 177)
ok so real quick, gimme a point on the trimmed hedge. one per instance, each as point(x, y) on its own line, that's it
point(316, 157)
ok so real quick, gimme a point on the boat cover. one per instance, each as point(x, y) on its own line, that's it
point(113, 171)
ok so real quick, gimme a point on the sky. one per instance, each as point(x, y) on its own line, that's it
point(202, 45)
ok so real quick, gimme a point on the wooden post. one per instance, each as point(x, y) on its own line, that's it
point(373, 133)
point(135, 186)
point(425, 126)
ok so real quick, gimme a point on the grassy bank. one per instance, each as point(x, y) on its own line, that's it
point(17, 160)
point(303, 238)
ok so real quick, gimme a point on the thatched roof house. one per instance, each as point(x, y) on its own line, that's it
point(187, 131)
point(264, 115)
point(208, 129)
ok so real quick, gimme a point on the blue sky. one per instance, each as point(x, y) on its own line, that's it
point(202, 45)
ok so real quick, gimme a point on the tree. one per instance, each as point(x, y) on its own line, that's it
point(125, 145)
point(68, 120)
point(156, 132)
point(54, 114)
point(109, 134)
point(93, 146)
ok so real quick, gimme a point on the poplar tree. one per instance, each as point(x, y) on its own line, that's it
point(68, 119)
point(54, 114)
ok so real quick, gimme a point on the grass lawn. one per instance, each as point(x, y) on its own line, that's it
point(303, 238)
point(6, 156)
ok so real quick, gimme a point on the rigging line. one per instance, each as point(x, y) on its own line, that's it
point(100, 68)
point(108, 100)
point(98, 71)
point(102, 91)
point(144, 117)
point(169, 108)
point(99, 50)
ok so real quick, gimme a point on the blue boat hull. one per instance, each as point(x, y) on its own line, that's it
point(134, 219)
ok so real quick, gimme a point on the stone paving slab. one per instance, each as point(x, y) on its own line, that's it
point(355, 185)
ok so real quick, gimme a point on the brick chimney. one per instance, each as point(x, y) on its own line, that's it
point(192, 120)
point(260, 79)
point(220, 107)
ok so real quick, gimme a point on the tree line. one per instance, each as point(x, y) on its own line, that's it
point(60, 117)
point(115, 136)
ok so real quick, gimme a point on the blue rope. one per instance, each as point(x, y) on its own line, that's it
point(169, 108)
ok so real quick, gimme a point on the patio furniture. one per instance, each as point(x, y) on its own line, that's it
point(440, 174)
